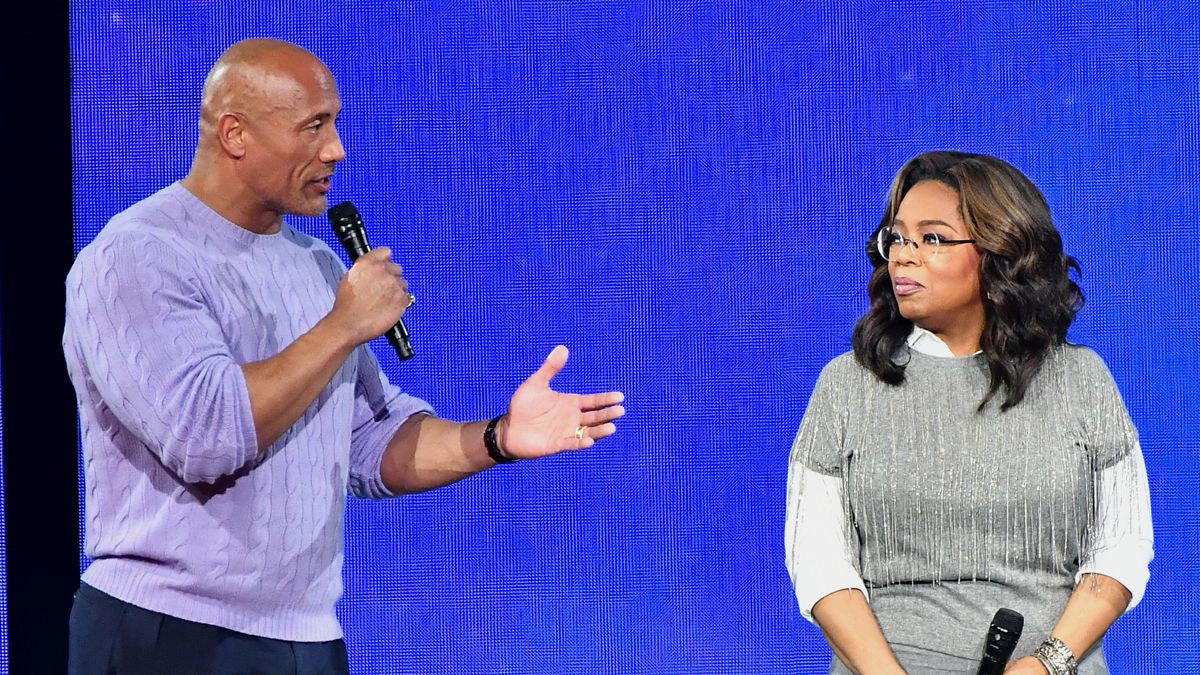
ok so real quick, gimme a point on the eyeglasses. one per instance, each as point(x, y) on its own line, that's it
point(889, 243)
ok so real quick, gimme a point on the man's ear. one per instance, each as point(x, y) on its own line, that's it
point(231, 132)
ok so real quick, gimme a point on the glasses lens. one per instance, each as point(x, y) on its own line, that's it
point(932, 242)
point(887, 242)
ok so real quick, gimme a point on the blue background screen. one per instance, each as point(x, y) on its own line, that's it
point(681, 192)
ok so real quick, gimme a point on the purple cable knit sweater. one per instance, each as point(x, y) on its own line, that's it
point(183, 517)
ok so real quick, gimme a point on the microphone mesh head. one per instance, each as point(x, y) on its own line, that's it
point(1008, 620)
point(349, 229)
point(1003, 635)
point(344, 216)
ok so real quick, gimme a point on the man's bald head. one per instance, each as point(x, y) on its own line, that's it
point(259, 76)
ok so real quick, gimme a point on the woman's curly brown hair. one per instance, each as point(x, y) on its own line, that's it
point(1029, 298)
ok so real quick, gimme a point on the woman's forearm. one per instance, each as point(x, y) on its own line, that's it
point(1095, 604)
point(854, 634)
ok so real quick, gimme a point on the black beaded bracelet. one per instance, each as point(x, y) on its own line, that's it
point(493, 447)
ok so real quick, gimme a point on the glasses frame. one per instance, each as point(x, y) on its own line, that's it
point(916, 246)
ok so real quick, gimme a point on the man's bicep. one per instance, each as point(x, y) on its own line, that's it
point(157, 356)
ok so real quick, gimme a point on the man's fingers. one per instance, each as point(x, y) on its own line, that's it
point(593, 434)
point(380, 253)
point(598, 417)
point(597, 401)
point(378, 256)
point(554, 363)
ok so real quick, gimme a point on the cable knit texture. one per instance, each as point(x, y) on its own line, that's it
point(183, 515)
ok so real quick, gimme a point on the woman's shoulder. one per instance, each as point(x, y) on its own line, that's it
point(1078, 361)
point(843, 366)
point(844, 374)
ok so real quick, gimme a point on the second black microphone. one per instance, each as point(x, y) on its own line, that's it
point(348, 226)
point(1002, 639)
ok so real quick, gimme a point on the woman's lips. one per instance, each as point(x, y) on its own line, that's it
point(905, 286)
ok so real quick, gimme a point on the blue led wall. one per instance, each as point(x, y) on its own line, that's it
point(680, 192)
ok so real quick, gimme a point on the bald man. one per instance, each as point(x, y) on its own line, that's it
point(228, 401)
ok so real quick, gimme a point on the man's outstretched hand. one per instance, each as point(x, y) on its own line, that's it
point(541, 421)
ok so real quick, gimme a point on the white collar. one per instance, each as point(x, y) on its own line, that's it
point(921, 340)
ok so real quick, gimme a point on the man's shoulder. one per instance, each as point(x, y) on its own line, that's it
point(163, 208)
point(147, 232)
point(157, 216)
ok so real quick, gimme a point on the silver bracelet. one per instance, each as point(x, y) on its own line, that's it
point(1057, 657)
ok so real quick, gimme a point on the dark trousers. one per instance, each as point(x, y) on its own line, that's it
point(112, 637)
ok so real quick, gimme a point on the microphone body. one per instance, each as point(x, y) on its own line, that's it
point(352, 233)
point(1002, 639)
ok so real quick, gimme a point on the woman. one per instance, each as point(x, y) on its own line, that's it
point(965, 458)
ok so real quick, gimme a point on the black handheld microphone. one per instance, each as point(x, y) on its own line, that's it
point(348, 226)
point(1002, 639)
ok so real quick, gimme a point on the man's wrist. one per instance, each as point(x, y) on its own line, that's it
point(335, 333)
point(494, 436)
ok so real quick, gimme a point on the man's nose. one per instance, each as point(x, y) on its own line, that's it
point(333, 151)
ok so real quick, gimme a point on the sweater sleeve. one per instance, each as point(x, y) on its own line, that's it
point(157, 356)
point(820, 441)
point(379, 410)
point(820, 549)
point(819, 554)
point(1121, 544)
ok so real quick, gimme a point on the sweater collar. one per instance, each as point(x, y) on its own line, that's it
point(216, 223)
